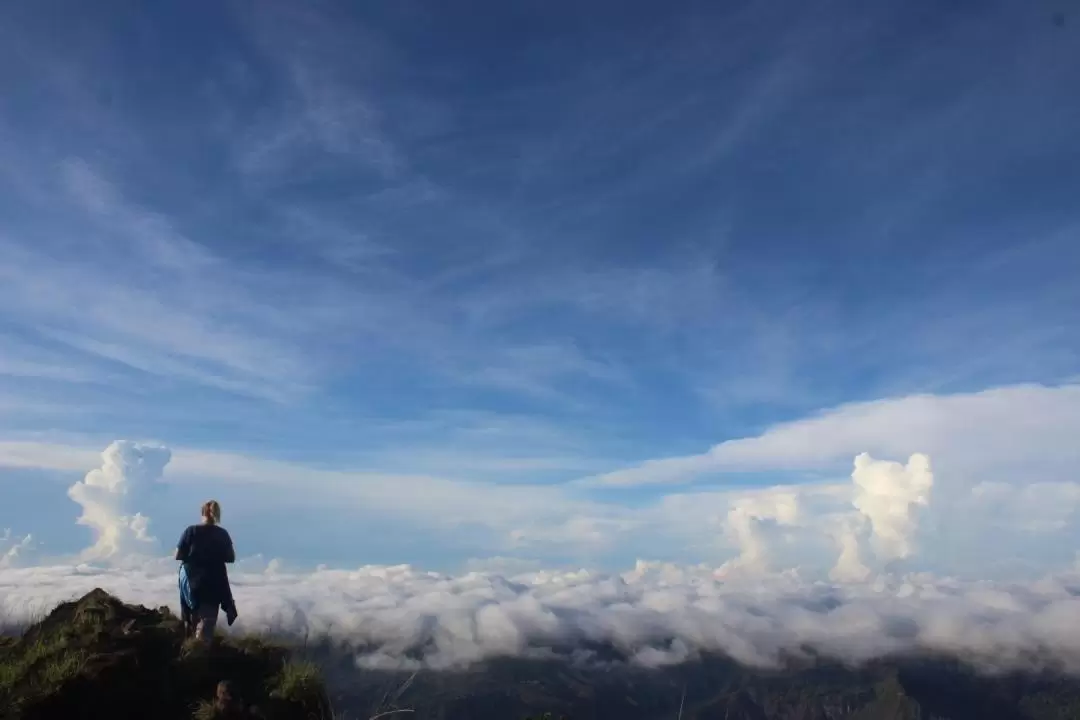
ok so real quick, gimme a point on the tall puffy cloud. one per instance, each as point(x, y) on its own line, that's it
point(849, 566)
point(746, 522)
point(112, 494)
point(888, 495)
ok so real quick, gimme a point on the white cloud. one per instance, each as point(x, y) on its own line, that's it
point(138, 292)
point(502, 565)
point(765, 602)
point(516, 516)
point(15, 551)
point(887, 494)
point(1013, 434)
point(111, 496)
point(162, 316)
point(654, 614)
point(745, 523)
point(322, 117)
point(51, 456)
point(849, 566)
point(21, 361)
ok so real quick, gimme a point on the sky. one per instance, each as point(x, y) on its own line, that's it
point(759, 287)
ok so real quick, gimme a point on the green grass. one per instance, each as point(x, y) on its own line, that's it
point(299, 681)
point(59, 669)
point(42, 666)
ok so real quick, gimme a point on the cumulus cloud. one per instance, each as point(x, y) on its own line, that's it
point(888, 494)
point(745, 521)
point(656, 613)
point(112, 494)
point(849, 566)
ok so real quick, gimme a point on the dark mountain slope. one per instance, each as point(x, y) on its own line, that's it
point(902, 689)
point(100, 658)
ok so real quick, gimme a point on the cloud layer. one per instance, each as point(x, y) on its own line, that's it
point(656, 613)
point(760, 607)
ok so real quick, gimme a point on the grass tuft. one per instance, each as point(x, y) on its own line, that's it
point(42, 666)
point(299, 681)
point(204, 710)
point(57, 670)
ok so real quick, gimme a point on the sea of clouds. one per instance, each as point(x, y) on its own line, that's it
point(653, 614)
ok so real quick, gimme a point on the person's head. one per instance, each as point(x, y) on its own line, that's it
point(211, 512)
point(226, 695)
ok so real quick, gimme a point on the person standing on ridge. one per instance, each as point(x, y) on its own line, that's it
point(203, 552)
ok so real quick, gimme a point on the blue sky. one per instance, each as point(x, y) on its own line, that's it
point(513, 247)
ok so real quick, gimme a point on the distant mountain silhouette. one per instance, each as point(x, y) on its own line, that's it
point(913, 688)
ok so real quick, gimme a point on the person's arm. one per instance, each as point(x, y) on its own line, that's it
point(184, 546)
point(224, 541)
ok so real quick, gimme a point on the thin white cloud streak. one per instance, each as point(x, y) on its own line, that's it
point(655, 613)
point(15, 551)
point(135, 289)
point(1010, 434)
point(518, 515)
point(681, 296)
point(143, 294)
point(24, 407)
point(127, 322)
point(324, 116)
point(538, 371)
point(22, 361)
point(46, 456)
point(455, 461)
point(180, 311)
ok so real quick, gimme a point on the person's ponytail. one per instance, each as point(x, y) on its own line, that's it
point(211, 510)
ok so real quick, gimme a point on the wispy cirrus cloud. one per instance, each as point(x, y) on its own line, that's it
point(161, 318)
point(392, 253)
point(321, 116)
